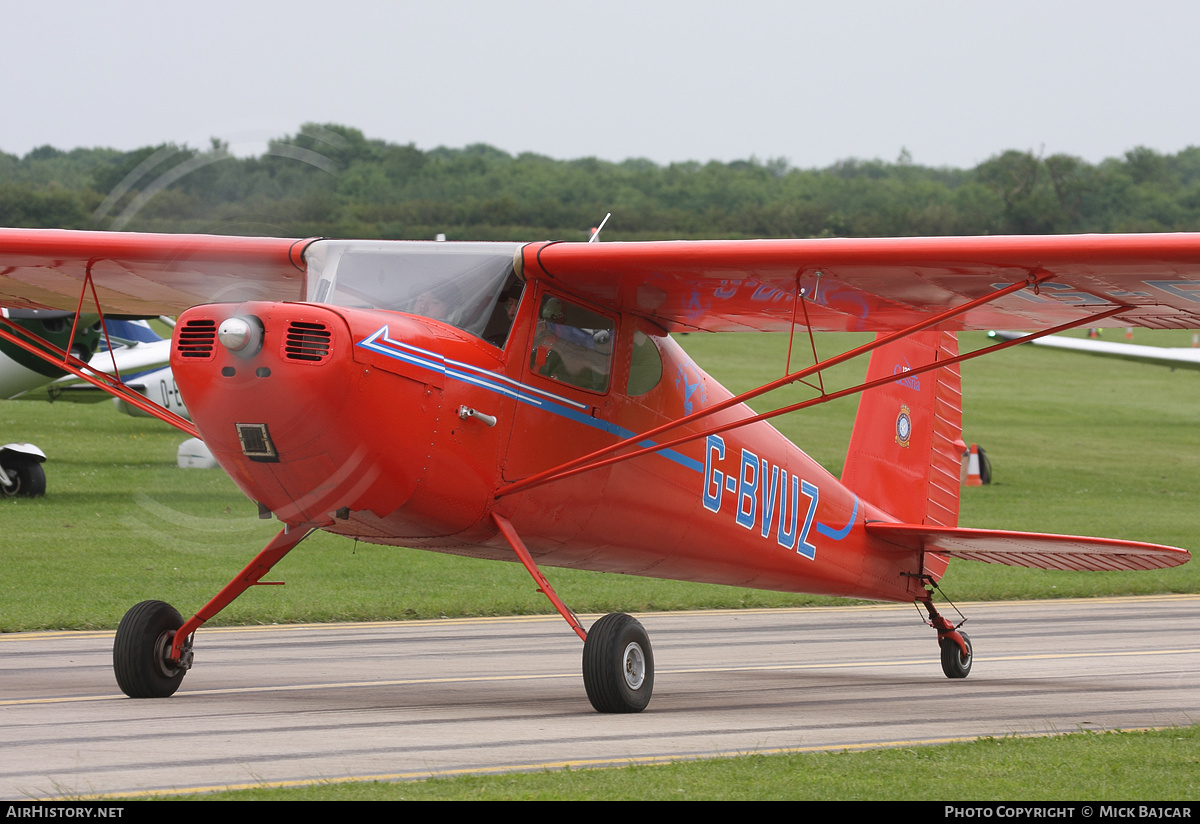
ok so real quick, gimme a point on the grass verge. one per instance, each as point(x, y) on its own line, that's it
point(1156, 765)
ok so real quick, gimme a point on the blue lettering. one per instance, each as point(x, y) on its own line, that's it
point(912, 381)
point(714, 478)
point(805, 548)
point(726, 289)
point(769, 493)
point(1067, 294)
point(767, 292)
point(768, 498)
point(786, 536)
point(1185, 289)
point(748, 490)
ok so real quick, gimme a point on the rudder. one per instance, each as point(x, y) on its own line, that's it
point(905, 453)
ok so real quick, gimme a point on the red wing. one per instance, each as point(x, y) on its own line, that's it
point(141, 274)
point(851, 284)
point(884, 283)
point(1031, 549)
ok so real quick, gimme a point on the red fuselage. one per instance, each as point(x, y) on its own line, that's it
point(349, 419)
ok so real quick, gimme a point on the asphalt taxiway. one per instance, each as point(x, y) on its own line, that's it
point(285, 705)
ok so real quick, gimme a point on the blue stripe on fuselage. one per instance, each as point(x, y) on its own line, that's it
point(381, 343)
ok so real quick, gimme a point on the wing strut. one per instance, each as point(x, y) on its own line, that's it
point(605, 457)
point(812, 339)
point(89, 284)
point(518, 546)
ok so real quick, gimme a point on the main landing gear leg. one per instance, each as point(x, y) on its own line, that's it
point(957, 654)
point(153, 648)
point(618, 663)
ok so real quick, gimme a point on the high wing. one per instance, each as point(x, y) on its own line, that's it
point(848, 284)
point(1031, 549)
point(885, 284)
point(144, 274)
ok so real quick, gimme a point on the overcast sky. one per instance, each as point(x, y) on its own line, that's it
point(953, 82)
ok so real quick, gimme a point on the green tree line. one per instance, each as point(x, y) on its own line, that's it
point(332, 181)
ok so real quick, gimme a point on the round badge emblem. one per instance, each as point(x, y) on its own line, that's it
point(903, 427)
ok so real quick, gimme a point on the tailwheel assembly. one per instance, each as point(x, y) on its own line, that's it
point(956, 662)
point(957, 653)
point(142, 651)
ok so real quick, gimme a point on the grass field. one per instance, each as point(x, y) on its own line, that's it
point(1078, 444)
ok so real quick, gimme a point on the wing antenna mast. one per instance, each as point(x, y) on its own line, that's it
point(595, 238)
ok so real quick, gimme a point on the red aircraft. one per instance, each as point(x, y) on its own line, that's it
point(526, 402)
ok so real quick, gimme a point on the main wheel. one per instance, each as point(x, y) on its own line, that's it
point(27, 475)
point(141, 651)
point(618, 664)
point(954, 663)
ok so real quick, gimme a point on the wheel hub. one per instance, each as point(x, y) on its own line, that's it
point(634, 666)
point(162, 655)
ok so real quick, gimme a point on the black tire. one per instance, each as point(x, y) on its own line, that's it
point(27, 475)
point(142, 648)
point(618, 664)
point(954, 663)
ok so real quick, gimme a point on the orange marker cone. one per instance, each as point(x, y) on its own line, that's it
point(973, 477)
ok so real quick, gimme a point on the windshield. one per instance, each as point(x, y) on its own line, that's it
point(467, 285)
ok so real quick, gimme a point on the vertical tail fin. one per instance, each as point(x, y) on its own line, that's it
point(906, 451)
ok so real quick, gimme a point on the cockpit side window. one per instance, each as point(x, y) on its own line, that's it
point(645, 365)
point(572, 344)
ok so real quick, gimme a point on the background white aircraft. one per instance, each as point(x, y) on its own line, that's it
point(1174, 357)
point(141, 356)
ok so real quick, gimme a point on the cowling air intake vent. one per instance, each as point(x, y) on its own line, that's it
point(196, 339)
point(307, 342)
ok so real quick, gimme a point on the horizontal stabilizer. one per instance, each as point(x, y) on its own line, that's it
point(1030, 549)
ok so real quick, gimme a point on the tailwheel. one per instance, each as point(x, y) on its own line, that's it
point(618, 664)
point(956, 657)
point(142, 651)
point(954, 663)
